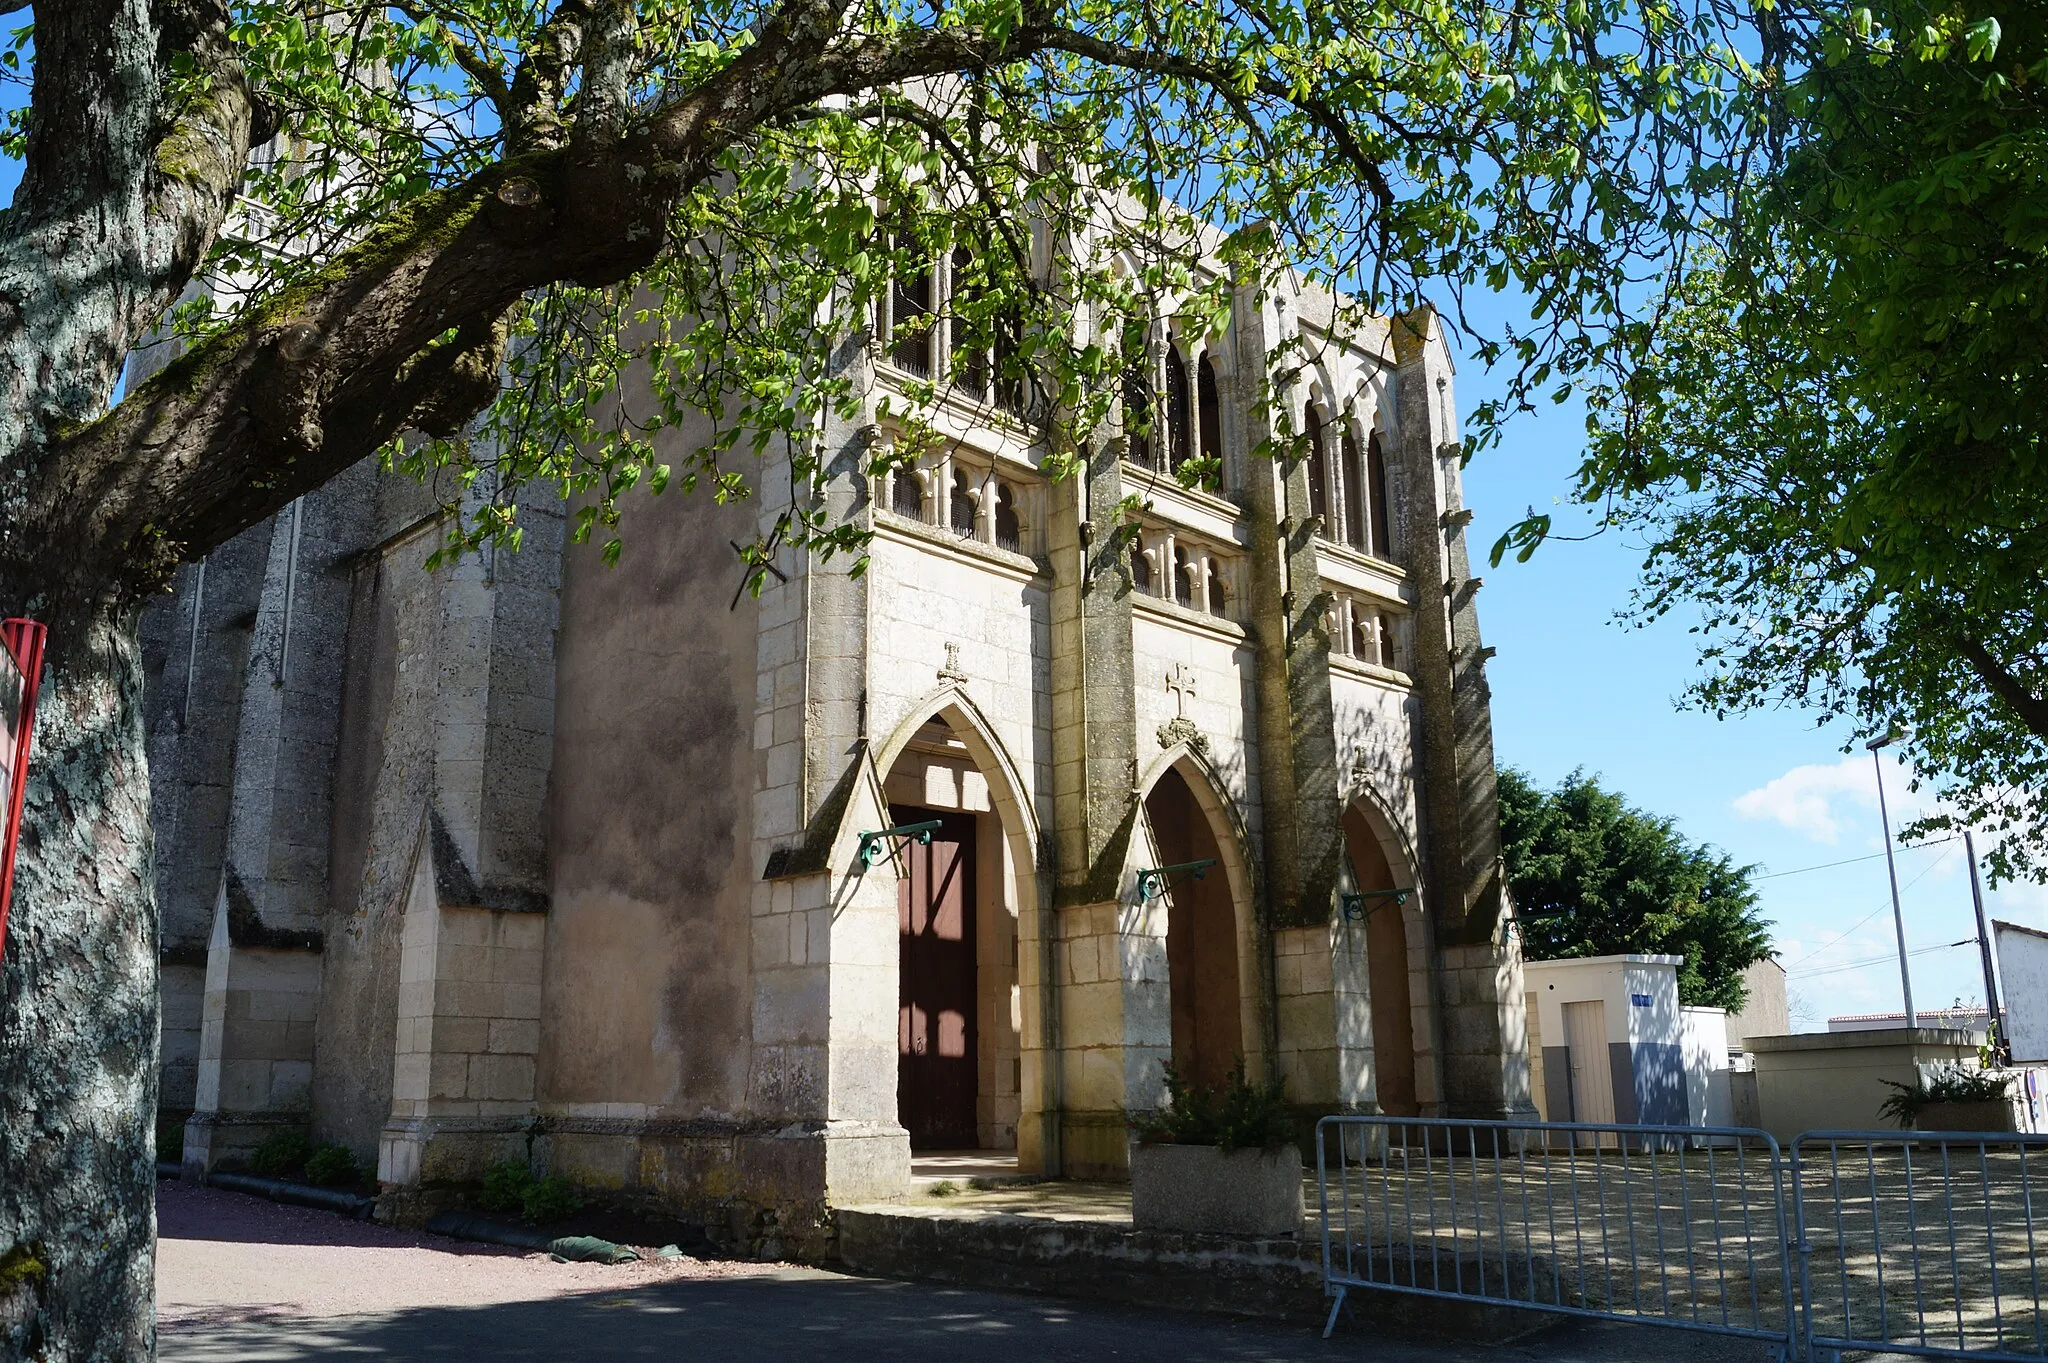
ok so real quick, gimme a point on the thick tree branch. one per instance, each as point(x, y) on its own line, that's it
point(2031, 709)
point(405, 331)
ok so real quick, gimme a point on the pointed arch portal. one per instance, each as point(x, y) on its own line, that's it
point(960, 901)
point(1376, 869)
point(1205, 970)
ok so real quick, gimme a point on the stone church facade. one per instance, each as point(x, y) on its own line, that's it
point(528, 857)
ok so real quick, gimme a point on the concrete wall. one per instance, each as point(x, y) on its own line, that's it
point(1657, 1044)
point(2023, 989)
point(1833, 1080)
point(1709, 1100)
point(1766, 1011)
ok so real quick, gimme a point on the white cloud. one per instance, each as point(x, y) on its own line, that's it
point(1804, 798)
point(1819, 801)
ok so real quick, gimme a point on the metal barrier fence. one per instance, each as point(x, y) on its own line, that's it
point(1921, 1243)
point(1639, 1223)
point(1902, 1242)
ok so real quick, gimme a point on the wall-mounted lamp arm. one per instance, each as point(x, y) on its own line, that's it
point(1359, 905)
point(874, 845)
point(1153, 882)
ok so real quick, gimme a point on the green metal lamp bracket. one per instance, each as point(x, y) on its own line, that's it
point(1357, 908)
point(874, 845)
point(1153, 882)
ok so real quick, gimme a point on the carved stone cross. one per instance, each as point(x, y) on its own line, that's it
point(951, 671)
point(1181, 683)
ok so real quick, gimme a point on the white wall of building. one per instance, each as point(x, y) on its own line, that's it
point(2023, 977)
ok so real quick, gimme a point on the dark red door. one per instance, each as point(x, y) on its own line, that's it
point(935, 1033)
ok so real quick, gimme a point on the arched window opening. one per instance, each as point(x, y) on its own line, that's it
point(1318, 495)
point(1009, 530)
point(1009, 382)
point(1179, 417)
point(1218, 605)
point(1141, 567)
point(1183, 579)
point(1138, 416)
point(1354, 494)
point(1361, 637)
point(969, 369)
point(910, 329)
point(961, 507)
point(1382, 500)
point(1389, 656)
point(1210, 407)
point(906, 493)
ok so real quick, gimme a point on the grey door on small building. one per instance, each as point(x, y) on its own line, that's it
point(1585, 1039)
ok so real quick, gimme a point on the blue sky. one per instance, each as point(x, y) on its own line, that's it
point(1573, 688)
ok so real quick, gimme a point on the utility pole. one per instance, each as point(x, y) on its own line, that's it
point(2000, 1047)
point(1891, 866)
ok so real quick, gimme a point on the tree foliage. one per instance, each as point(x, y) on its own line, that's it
point(473, 205)
point(1592, 876)
point(1835, 449)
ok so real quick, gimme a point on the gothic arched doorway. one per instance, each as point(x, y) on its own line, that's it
point(959, 1077)
point(1376, 884)
point(1203, 970)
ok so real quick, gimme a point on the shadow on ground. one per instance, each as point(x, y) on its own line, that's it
point(804, 1315)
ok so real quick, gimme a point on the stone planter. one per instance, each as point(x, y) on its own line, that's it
point(1993, 1114)
point(1199, 1188)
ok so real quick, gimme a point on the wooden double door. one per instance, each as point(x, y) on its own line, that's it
point(937, 1055)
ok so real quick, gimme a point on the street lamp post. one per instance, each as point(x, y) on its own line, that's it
point(1892, 867)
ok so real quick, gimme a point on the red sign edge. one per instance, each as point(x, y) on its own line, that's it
point(24, 639)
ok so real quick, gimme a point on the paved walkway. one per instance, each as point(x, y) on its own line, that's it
point(244, 1280)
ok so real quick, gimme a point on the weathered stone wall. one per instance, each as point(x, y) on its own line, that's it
point(993, 608)
point(1484, 1057)
point(447, 720)
point(469, 1018)
point(195, 657)
point(648, 999)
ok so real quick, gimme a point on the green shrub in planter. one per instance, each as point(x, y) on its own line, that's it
point(1948, 1084)
point(1237, 1116)
point(283, 1154)
point(333, 1165)
point(506, 1184)
point(550, 1199)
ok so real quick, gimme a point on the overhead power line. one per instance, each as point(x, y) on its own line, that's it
point(1886, 959)
point(1882, 906)
point(1850, 861)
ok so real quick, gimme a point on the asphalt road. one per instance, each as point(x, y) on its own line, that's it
point(243, 1281)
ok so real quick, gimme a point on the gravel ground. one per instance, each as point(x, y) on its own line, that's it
point(224, 1258)
point(242, 1280)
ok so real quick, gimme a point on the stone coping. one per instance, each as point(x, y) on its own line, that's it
point(1849, 1041)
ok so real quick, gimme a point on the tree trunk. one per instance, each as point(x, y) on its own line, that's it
point(78, 1015)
